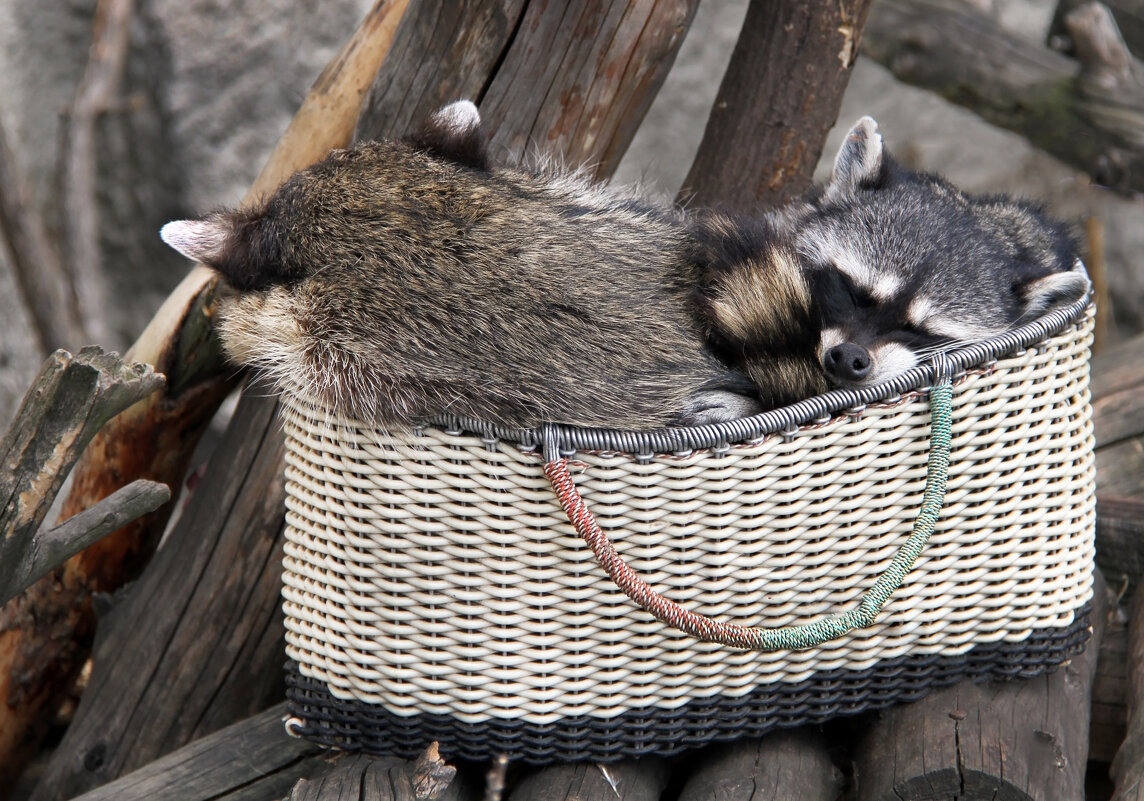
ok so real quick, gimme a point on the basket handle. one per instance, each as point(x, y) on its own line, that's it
point(787, 637)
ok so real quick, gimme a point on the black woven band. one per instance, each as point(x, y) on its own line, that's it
point(357, 726)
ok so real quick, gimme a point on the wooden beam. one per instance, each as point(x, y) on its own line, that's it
point(782, 765)
point(629, 780)
point(252, 759)
point(1128, 766)
point(777, 102)
point(1019, 740)
point(568, 78)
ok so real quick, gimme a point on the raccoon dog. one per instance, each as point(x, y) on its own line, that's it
point(876, 270)
point(400, 281)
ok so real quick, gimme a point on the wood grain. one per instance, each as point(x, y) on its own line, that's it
point(777, 102)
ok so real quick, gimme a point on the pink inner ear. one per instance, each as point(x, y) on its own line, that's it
point(199, 240)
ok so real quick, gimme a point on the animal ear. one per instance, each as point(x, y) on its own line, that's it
point(1054, 291)
point(860, 163)
point(454, 133)
point(199, 240)
point(240, 246)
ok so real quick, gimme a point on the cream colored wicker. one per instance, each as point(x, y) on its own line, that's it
point(434, 573)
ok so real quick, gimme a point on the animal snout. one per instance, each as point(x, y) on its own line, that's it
point(847, 362)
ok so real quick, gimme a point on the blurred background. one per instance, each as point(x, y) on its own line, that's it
point(205, 89)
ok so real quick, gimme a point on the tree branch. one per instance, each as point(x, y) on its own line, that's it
point(43, 285)
point(1089, 113)
point(51, 547)
point(70, 400)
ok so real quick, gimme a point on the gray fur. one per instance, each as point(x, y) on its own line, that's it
point(899, 264)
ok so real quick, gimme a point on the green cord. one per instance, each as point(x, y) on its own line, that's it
point(866, 612)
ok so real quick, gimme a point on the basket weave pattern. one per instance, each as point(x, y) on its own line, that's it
point(434, 573)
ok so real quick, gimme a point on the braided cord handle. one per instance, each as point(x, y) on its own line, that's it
point(786, 637)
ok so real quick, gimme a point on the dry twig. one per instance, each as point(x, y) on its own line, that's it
point(95, 94)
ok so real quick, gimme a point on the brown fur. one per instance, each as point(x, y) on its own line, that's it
point(394, 283)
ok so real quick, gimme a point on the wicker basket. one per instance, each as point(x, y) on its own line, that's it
point(436, 589)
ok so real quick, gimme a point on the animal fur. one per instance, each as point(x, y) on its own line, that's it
point(400, 281)
point(882, 267)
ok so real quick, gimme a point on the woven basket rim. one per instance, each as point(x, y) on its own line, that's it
point(565, 440)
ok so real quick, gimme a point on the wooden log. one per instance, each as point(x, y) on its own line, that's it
point(1011, 741)
point(777, 102)
point(1128, 766)
point(571, 78)
point(253, 760)
point(49, 547)
point(198, 642)
point(1088, 113)
point(48, 632)
point(1129, 15)
point(629, 780)
point(783, 765)
point(1118, 419)
point(1120, 540)
point(356, 777)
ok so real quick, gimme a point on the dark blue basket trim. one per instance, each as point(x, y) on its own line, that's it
point(356, 726)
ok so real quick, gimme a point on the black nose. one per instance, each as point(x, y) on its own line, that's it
point(847, 362)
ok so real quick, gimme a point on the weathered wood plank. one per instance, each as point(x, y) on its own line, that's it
point(1120, 540)
point(455, 47)
point(218, 766)
point(782, 766)
point(198, 641)
point(1128, 766)
point(578, 78)
point(1110, 687)
point(777, 102)
point(1087, 112)
point(1021, 739)
point(629, 780)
